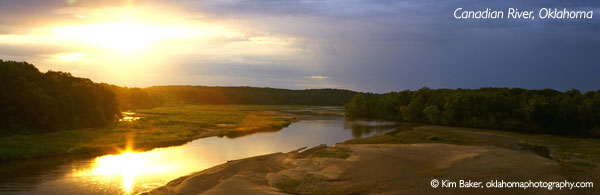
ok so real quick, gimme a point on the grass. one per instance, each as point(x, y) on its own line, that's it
point(417, 136)
point(157, 127)
point(334, 152)
point(576, 153)
point(314, 184)
point(309, 184)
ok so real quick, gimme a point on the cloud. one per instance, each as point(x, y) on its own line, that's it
point(367, 45)
point(317, 77)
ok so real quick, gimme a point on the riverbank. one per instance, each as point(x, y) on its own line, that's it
point(405, 162)
point(150, 128)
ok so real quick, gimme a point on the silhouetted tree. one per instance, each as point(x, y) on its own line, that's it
point(31, 101)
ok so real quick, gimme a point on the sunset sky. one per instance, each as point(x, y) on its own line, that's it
point(365, 45)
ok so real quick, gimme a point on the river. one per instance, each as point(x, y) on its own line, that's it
point(130, 173)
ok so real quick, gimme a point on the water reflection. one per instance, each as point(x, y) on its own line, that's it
point(129, 167)
point(133, 172)
point(128, 117)
point(368, 128)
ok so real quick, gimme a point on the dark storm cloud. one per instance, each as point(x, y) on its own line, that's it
point(393, 45)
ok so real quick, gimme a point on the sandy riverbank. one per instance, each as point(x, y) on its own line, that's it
point(376, 168)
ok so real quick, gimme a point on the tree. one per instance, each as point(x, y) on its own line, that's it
point(33, 102)
point(433, 114)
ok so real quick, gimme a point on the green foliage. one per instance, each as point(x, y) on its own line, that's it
point(362, 105)
point(33, 102)
point(540, 111)
point(131, 98)
point(433, 114)
point(435, 138)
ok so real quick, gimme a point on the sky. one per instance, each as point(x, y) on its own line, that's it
point(364, 45)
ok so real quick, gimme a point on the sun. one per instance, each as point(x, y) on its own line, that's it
point(121, 29)
point(124, 37)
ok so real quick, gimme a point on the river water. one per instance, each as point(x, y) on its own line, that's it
point(130, 173)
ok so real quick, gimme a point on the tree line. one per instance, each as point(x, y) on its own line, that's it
point(33, 102)
point(36, 102)
point(539, 111)
point(131, 98)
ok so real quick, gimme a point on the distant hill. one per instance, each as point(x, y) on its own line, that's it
point(183, 94)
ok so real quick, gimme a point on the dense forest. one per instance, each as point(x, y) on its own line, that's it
point(181, 95)
point(32, 101)
point(540, 111)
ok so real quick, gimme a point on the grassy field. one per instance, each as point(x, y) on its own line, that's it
point(157, 127)
point(576, 153)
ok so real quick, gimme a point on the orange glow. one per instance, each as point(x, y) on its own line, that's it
point(129, 166)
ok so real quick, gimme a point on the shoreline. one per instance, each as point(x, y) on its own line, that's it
point(167, 132)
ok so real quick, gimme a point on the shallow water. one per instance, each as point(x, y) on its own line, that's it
point(136, 172)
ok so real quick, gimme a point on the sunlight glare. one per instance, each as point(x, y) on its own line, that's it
point(127, 166)
point(122, 37)
point(69, 57)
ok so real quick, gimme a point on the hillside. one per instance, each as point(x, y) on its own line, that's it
point(185, 94)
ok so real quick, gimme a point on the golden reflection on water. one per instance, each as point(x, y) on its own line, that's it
point(128, 117)
point(129, 167)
